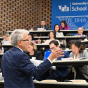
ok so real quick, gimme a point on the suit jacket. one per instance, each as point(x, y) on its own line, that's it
point(18, 70)
point(45, 27)
point(66, 28)
point(83, 69)
point(37, 54)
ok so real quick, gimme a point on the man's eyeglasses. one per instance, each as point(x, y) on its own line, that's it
point(52, 48)
point(25, 40)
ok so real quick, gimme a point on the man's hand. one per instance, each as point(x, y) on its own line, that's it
point(56, 53)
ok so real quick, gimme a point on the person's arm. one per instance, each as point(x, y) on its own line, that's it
point(30, 69)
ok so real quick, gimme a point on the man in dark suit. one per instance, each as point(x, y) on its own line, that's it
point(59, 71)
point(16, 67)
point(43, 25)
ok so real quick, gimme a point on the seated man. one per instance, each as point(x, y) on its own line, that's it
point(61, 71)
point(43, 25)
point(80, 32)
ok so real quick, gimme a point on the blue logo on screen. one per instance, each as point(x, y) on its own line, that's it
point(65, 8)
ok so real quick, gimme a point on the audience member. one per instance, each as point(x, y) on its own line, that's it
point(52, 36)
point(32, 51)
point(64, 25)
point(59, 34)
point(79, 52)
point(6, 39)
point(43, 25)
point(16, 67)
point(61, 71)
point(80, 32)
point(31, 38)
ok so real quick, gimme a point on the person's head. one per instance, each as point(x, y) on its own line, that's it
point(30, 36)
point(56, 28)
point(19, 38)
point(53, 44)
point(63, 24)
point(43, 23)
point(52, 34)
point(80, 30)
point(7, 36)
point(31, 47)
point(77, 47)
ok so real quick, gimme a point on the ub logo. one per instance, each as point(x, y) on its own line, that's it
point(65, 8)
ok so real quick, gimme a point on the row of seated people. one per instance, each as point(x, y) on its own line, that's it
point(57, 28)
point(52, 36)
point(63, 26)
point(78, 52)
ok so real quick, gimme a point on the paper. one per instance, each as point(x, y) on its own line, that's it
point(35, 62)
point(66, 59)
point(78, 81)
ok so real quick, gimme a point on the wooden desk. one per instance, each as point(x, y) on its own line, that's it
point(38, 45)
point(61, 38)
point(85, 41)
point(1, 38)
point(70, 62)
point(7, 45)
point(73, 31)
point(60, 85)
point(64, 31)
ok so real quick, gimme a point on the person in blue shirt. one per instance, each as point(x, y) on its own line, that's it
point(61, 71)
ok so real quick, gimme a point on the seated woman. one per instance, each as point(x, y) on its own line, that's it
point(79, 52)
point(32, 52)
point(64, 25)
point(52, 36)
point(31, 37)
point(6, 39)
point(59, 34)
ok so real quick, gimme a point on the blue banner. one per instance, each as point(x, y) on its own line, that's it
point(75, 12)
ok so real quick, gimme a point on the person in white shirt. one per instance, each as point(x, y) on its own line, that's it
point(59, 34)
point(79, 52)
point(52, 36)
point(6, 39)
